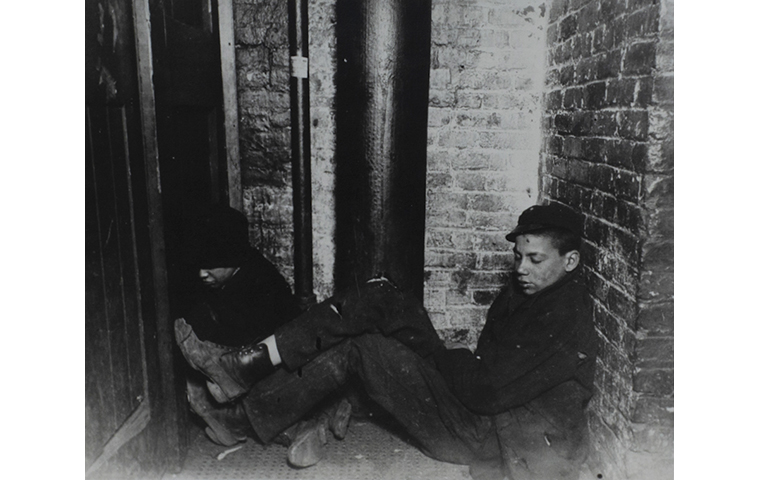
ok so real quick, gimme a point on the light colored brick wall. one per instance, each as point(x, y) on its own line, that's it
point(261, 44)
point(484, 136)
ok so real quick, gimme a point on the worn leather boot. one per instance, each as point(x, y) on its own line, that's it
point(308, 447)
point(227, 424)
point(232, 370)
point(340, 418)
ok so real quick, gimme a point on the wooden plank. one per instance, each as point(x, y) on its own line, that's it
point(133, 425)
point(99, 401)
point(110, 223)
point(229, 94)
point(102, 308)
point(131, 317)
point(171, 444)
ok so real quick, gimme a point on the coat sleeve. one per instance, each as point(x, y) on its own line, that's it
point(509, 373)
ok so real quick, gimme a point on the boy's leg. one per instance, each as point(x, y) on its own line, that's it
point(399, 380)
point(376, 306)
point(283, 398)
point(416, 395)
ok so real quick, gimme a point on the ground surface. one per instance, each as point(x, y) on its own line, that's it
point(368, 452)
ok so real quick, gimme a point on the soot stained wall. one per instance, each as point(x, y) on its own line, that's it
point(608, 151)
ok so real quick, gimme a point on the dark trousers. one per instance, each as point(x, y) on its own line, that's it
point(383, 337)
point(403, 383)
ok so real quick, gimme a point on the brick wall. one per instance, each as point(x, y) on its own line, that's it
point(484, 137)
point(261, 45)
point(597, 113)
point(608, 151)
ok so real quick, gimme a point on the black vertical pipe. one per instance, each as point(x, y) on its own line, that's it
point(381, 120)
point(298, 32)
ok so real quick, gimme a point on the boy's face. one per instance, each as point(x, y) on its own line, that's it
point(538, 263)
point(216, 277)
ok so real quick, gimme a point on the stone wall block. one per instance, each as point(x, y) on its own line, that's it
point(640, 58)
point(654, 410)
point(656, 319)
point(654, 381)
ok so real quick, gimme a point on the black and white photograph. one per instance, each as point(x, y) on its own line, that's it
point(388, 239)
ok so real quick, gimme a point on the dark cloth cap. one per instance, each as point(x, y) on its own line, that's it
point(220, 237)
point(541, 217)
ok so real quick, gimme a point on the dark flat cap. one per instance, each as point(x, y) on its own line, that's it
point(541, 217)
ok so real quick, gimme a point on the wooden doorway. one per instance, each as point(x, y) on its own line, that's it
point(149, 147)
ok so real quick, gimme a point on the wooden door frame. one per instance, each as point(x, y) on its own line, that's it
point(144, 57)
point(230, 102)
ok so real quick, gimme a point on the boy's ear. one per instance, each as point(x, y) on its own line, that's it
point(572, 260)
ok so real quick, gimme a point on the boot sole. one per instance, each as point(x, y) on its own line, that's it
point(340, 420)
point(308, 448)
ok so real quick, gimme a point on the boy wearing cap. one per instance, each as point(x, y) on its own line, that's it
point(514, 407)
point(239, 298)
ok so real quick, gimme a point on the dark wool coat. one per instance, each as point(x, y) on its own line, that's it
point(533, 371)
point(249, 307)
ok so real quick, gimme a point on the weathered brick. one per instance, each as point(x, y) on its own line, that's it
point(487, 202)
point(630, 215)
point(633, 124)
point(557, 9)
point(496, 260)
point(441, 98)
point(618, 153)
point(656, 318)
point(459, 139)
point(562, 53)
point(653, 381)
point(602, 40)
point(665, 56)
point(581, 45)
point(553, 100)
point(503, 141)
point(567, 75)
point(643, 23)
point(656, 286)
point(568, 27)
point(602, 205)
point(609, 9)
point(446, 259)
point(622, 306)
point(664, 90)
point(446, 218)
point(439, 180)
point(445, 201)
point(468, 99)
point(660, 223)
point(572, 147)
point(586, 70)
point(484, 297)
point(620, 92)
point(588, 18)
point(573, 98)
point(607, 324)
point(553, 145)
point(595, 149)
point(657, 352)
point(470, 181)
point(657, 255)
point(658, 191)
point(640, 58)
point(654, 410)
point(595, 95)
point(608, 65)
